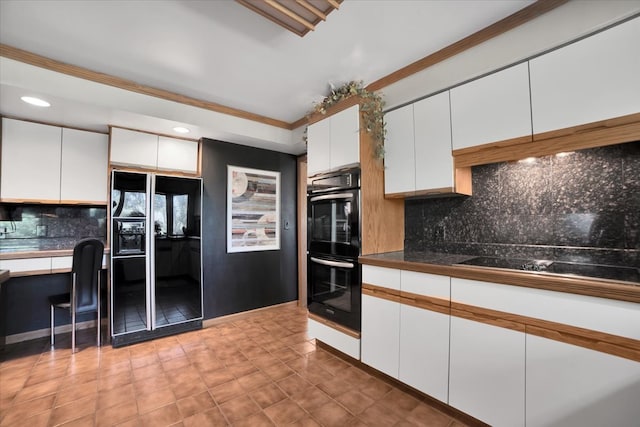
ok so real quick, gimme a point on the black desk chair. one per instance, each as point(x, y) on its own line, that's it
point(85, 287)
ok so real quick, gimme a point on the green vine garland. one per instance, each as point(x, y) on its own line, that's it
point(371, 108)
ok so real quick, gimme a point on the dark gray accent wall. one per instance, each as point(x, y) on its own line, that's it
point(583, 206)
point(236, 282)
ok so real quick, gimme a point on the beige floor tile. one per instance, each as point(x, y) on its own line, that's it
point(238, 408)
point(332, 415)
point(194, 404)
point(154, 400)
point(267, 395)
point(285, 412)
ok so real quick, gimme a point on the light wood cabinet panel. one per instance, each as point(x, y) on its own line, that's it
point(319, 147)
point(84, 166)
point(571, 386)
point(590, 80)
point(493, 108)
point(487, 372)
point(30, 168)
point(177, 155)
point(131, 148)
point(433, 158)
point(345, 137)
point(380, 340)
point(399, 147)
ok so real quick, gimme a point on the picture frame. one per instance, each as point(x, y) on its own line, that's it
point(253, 209)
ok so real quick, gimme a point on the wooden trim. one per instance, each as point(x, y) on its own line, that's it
point(291, 14)
point(596, 134)
point(272, 18)
point(333, 325)
point(82, 202)
point(98, 77)
point(29, 273)
point(463, 180)
point(490, 317)
point(521, 17)
point(601, 288)
point(141, 169)
point(336, 108)
point(334, 3)
point(465, 419)
point(40, 201)
point(300, 122)
point(426, 302)
point(311, 8)
point(302, 230)
point(381, 292)
point(43, 254)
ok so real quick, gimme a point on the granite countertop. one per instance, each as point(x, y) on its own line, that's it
point(448, 264)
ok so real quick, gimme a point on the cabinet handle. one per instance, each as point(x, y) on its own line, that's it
point(332, 196)
point(331, 263)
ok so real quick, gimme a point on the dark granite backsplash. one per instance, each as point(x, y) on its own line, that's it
point(582, 206)
point(52, 222)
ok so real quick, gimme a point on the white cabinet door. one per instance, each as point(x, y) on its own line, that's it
point(424, 351)
point(591, 80)
point(399, 156)
point(30, 161)
point(492, 108)
point(84, 167)
point(177, 155)
point(487, 372)
point(345, 137)
point(573, 386)
point(433, 158)
point(380, 341)
point(131, 148)
point(319, 147)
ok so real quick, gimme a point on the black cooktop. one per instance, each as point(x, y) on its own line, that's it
point(611, 272)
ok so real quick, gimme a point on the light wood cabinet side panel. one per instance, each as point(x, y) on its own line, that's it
point(382, 219)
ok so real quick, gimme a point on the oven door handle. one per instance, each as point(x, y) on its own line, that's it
point(332, 263)
point(332, 196)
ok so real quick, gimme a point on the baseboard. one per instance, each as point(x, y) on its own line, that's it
point(244, 314)
point(39, 333)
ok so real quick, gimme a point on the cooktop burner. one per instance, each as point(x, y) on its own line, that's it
point(611, 272)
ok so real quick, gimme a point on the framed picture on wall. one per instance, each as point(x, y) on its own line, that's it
point(253, 209)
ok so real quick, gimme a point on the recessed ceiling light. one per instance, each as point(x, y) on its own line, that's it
point(35, 101)
point(181, 129)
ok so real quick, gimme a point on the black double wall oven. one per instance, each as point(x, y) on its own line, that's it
point(334, 274)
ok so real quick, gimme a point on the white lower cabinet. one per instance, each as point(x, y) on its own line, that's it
point(571, 386)
point(487, 372)
point(380, 337)
point(424, 351)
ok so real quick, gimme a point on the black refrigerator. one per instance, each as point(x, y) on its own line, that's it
point(156, 274)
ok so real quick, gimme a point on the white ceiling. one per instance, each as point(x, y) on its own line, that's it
point(217, 51)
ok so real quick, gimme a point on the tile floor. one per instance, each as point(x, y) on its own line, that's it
point(261, 370)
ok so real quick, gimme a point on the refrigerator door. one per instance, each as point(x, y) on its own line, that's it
point(176, 264)
point(129, 279)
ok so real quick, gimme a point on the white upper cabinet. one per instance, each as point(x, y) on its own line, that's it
point(84, 167)
point(30, 161)
point(418, 146)
point(399, 154)
point(345, 137)
point(434, 162)
point(177, 154)
point(334, 142)
point(594, 79)
point(140, 149)
point(319, 147)
point(493, 108)
point(131, 148)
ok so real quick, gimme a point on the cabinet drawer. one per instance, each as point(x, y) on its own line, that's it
point(598, 314)
point(426, 284)
point(381, 276)
point(35, 265)
point(61, 263)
